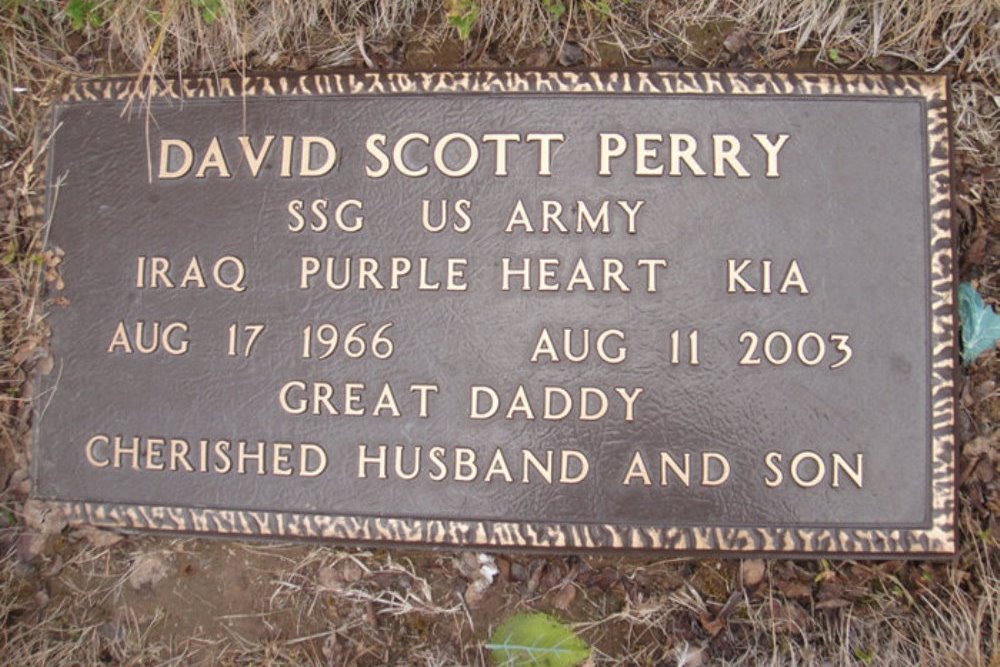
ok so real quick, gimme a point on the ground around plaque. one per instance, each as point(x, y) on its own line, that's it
point(73, 596)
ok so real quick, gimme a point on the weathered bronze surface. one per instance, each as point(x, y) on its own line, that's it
point(630, 311)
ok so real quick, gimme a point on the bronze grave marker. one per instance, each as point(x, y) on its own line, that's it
point(684, 312)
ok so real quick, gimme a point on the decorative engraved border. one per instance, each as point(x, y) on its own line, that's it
point(937, 540)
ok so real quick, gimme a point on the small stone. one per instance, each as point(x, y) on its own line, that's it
point(664, 62)
point(110, 631)
point(45, 365)
point(752, 572)
point(570, 55)
point(735, 41)
point(41, 599)
point(888, 63)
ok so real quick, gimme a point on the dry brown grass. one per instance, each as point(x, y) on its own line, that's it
point(320, 606)
point(65, 601)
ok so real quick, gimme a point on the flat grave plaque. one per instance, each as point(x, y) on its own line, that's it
point(675, 312)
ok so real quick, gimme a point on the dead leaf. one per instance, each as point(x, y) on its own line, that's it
point(333, 577)
point(603, 579)
point(696, 658)
point(329, 579)
point(350, 571)
point(44, 518)
point(97, 537)
point(41, 522)
point(833, 603)
point(795, 590)
point(536, 58)
point(488, 569)
point(503, 565)
point(976, 254)
point(474, 593)
point(480, 570)
point(712, 625)
point(824, 576)
point(468, 564)
point(30, 546)
point(537, 569)
point(54, 567)
point(19, 484)
point(555, 572)
point(148, 570)
point(563, 597)
point(337, 652)
point(788, 617)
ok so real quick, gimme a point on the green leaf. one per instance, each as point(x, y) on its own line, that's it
point(209, 10)
point(555, 8)
point(834, 55)
point(538, 640)
point(462, 15)
point(81, 13)
point(864, 655)
point(10, 255)
point(980, 325)
point(602, 7)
